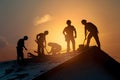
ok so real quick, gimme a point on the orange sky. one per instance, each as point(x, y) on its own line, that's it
point(27, 17)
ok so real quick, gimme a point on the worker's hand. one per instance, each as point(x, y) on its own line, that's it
point(75, 36)
point(44, 46)
point(26, 49)
point(36, 41)
point(85, 38)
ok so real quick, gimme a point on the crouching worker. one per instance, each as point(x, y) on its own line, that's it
point(55, 48)
point(20, 47)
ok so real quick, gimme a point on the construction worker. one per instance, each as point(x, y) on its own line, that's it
point(41, 41)
point(70, 35)
point(93, 32)
point(20, 46)
point(55, 48)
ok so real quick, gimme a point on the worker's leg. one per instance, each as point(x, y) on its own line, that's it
point(68, 45)
point(73, 44)
point(97, 40)
point(88, 39)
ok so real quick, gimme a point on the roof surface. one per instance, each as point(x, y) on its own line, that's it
point(92, 64)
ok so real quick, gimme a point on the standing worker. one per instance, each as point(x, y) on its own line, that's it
point(70, 35)
point(93, 32)
point(20, 46)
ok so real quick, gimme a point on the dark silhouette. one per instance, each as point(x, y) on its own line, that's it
point(93, 32)
point(70, 35)
point(55, 48)
point(80, 48)
point(41, 41)
point(20, 46)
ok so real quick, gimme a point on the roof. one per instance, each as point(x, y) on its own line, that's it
point(91, 64)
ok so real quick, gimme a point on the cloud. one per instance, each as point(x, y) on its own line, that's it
point(39, 20)
point(3, 42)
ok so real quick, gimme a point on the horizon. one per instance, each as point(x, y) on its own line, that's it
point(19, 18)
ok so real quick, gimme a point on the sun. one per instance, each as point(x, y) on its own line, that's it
point(55, 28)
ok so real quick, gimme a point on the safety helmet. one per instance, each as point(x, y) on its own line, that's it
point(83, 21)
point(25, 37)
point(46, 32)
point(68, 21)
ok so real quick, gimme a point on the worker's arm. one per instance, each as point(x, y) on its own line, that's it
point(24, 47)
point(85, 32)
point(75, 33)
point(64, 32)
point(45, 43)
point(37, 36)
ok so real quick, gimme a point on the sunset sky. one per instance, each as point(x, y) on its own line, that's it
point(30, 17)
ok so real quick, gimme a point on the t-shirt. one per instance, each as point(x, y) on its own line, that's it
point(20, 43)
point(41, 37)
point(91, 28)
point(69, 30)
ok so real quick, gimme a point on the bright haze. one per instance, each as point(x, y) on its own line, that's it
point(30, 17)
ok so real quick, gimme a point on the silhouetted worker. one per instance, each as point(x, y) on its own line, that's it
point(93, 32)
point(20, 46)
point(41, 41)
point(70, 35)
point(55, 48)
